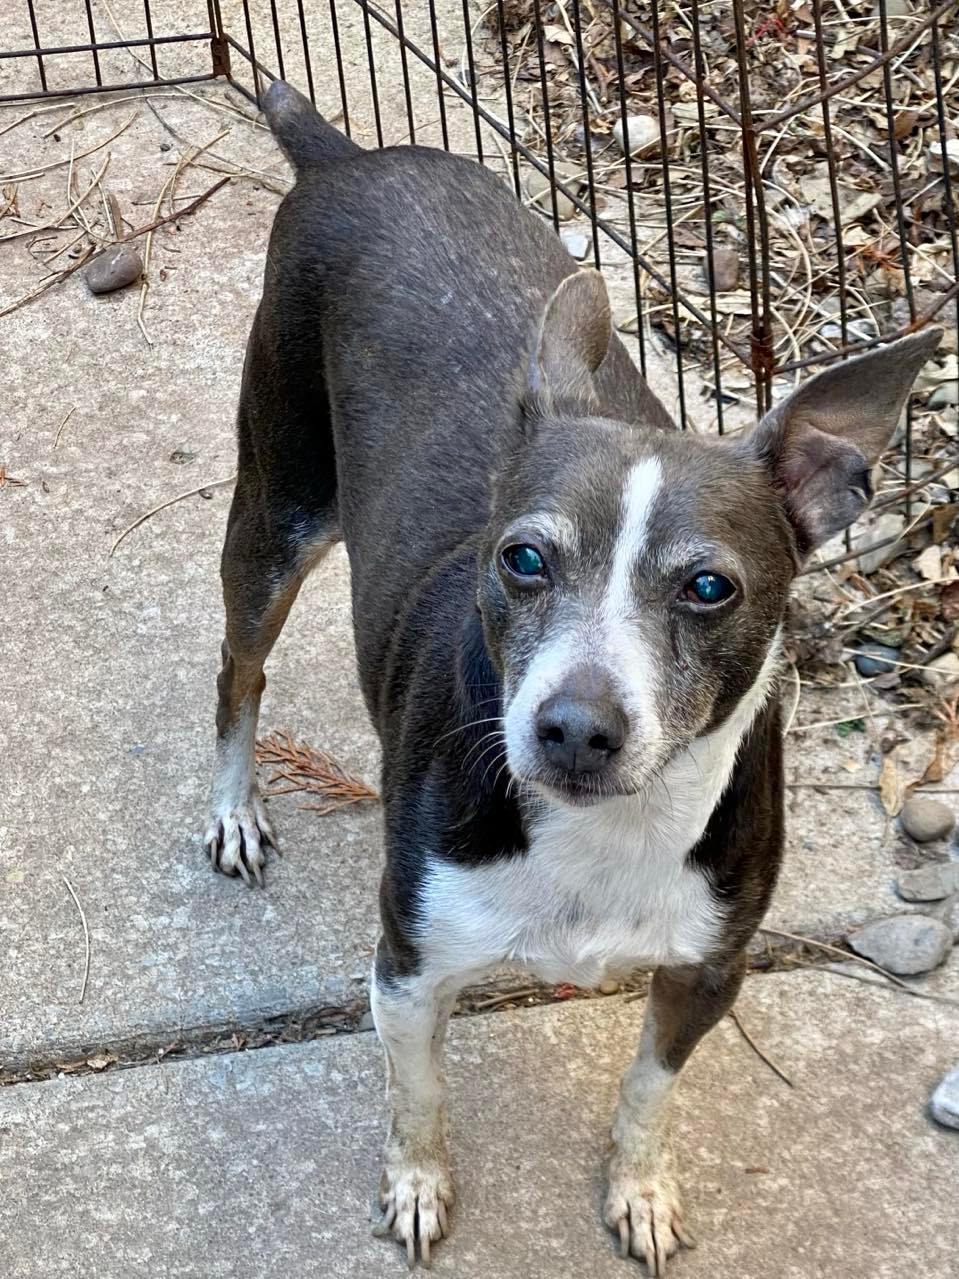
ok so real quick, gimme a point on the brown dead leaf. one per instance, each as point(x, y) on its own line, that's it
point(890, 786)
point(100, 1061)
point(904, 123)
point(942, 518)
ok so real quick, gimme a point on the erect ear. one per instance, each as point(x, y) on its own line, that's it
point(821, 443)
point(571, 344)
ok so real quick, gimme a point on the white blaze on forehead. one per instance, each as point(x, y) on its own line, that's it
point(631, 662)
point(640, 490)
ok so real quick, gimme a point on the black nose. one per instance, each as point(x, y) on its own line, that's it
point(580, 735)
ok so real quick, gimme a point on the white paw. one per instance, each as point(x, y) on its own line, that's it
point(237, 838)
point(415, 1198)
point(646, 1211)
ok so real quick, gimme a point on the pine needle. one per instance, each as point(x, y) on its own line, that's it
point(306, 769)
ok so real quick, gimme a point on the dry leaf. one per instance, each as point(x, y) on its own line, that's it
point(890, 786)
point(929, 564)
point(943, 759)
point(100, 1061)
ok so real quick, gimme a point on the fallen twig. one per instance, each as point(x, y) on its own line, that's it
point(86, 937)
point(757, 1050)
point(210, 484)
point(908, 990)
point(315, 772)
point(66, 418)
point(835, 950)
point(508, 997)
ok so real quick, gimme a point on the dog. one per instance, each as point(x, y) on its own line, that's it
point(567, 614)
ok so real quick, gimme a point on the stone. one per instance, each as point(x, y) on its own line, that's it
point(944, 1102)
point(904, 944)
point(952, 155)
point(577, 244)
point(538, 190)
point(944, 396)
point(725, 268)
point(929, 883)
point(948, 912)
point(876, 659)
point(924, 819)
point(608, 986)
point(645, 140)
point(941, 672)
point(113, 269)
point(889, 525)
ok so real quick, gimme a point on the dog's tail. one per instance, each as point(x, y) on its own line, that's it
point(306, 138)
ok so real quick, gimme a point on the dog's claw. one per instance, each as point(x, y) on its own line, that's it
point(415, 1201)
point(237, 839)
point(646, 1213)
point(624, 1237)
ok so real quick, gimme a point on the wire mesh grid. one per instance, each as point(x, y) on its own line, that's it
point(766, 187)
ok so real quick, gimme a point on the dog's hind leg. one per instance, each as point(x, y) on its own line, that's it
point(266, 558)
point(643, 1203)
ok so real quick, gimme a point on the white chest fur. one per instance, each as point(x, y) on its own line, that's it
point(592, 896)
point(600, 890)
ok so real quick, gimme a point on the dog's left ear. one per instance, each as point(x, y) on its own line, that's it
point(820, 444)
point(573, 338)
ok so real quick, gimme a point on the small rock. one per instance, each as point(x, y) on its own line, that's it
point(952, 155)
point(366, 1022)
point(876, 659)
point(924, 819)
point(948, 912)
point(114, 269)
point(165, 146)
point(929, 883)
point(181, 456)
point(904, 944)
point(929, 564)
point(944, 396)
point(538, 190)
point(888, 525)
point(643, 133)
point(608, 987)
point(941, 671)
point(725, 269)
point(944, 1103)
point(577, 244)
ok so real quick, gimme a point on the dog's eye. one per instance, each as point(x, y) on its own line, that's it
point(709, 588)
point(524, 561)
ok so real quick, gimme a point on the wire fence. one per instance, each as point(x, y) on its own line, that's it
point(767, 187)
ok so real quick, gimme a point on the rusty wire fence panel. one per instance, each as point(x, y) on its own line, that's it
point(70, 47)
point(767, 187)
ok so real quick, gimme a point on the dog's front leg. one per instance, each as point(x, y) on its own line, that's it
point(416, 1191)
point(643, 1203)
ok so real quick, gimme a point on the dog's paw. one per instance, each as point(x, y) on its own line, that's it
point(646, 1211)
point(237, 839)
point(416, 1198)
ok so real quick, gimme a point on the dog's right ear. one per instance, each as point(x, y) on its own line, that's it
point(573, 338)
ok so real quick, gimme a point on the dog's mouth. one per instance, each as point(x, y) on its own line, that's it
point(578, 792)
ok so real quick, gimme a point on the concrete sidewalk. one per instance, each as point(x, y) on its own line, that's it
point(264, 1163)
point(105, 749)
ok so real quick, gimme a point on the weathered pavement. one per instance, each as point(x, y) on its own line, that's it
point(264, 1163)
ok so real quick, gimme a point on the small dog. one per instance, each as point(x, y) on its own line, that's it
point(567, 617)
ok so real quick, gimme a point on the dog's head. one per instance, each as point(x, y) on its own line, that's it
point(634, 580)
